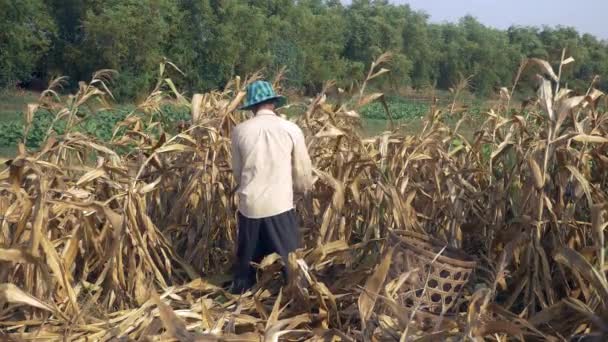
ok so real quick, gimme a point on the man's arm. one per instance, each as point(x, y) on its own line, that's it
point(302, 165)
point(236, 157)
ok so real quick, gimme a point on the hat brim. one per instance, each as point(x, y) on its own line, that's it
point(279, 100)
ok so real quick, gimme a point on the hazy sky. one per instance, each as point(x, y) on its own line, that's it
point(587, 16)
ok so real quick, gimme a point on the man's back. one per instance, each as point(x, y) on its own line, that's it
point(269, 156)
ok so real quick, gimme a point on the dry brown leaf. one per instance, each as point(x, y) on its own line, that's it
point(597, 223)
point(150, 186)
point(175, 326)
point(545, 94)
point(502, 147)
point(29, 113)
point(567, 61)
point(369, 98)
point(90, 176)
point(566, 106)
point(497, 327)
point(594, 139)
point(16, 255)
point(582, 181)
point(196, 110)
point(59, 272)
point(373, 285)
point(577, 263)
point(174, 148)
point(11, 294)
point(378, 73)
point(330, 131)
point(538, 175)
point(545, 67)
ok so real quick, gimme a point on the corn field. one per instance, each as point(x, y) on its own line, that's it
point(121, 240)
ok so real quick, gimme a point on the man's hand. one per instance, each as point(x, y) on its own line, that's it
point(307, 205)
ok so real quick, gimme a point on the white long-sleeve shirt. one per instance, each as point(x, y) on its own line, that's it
point(269, 162)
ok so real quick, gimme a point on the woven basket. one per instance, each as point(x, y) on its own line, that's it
point(444, 278)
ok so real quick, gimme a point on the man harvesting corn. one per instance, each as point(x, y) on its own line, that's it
point(270, 162)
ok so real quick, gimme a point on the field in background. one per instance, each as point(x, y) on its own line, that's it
point(13, 102)
point(406, 110)
point(12, 105)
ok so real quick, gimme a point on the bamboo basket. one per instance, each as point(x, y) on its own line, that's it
point(437, 285)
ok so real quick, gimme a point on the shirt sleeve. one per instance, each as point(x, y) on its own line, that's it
point(236, 156)
point(302, 165)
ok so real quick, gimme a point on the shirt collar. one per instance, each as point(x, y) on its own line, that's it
point(265, 112)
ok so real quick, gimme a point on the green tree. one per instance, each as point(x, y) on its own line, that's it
point(130, 36)
point(317, 40)
point(420, 45)
point(26, 33)
point(318, 33)
point(66, 46)
point(375, 27)
point(493, 61)
point(527, 41)
point(190, 45)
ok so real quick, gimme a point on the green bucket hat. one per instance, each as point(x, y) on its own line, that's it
point(261, 91)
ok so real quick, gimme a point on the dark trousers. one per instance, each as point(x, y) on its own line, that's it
point(260, 237)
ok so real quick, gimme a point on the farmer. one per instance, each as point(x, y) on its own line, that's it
point(270, 162)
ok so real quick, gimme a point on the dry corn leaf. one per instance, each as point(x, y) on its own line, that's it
point(330, 131)
point(565, 107)
point(175, 148)
point(150, 186)
point(582, 181)
point(594, 139)
point(59, 272)
point(90, 176)
point(538, 175)
point(597, 223)
point(567, 61)
point(373, 285)
point(576, 262)
point(545, 94)
point(196, 110)
point(545, 67)
point(502, 148)
point(369, 98)
point(16, 255)
point(175, 326)
point(498, 327)
point(29, 113)
point(11, 294)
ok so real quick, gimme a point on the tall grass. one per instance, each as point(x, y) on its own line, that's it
point(97, 245)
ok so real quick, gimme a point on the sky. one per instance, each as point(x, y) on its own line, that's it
point(587, 16)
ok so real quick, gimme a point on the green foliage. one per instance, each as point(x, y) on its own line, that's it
point(399, 108)
point(26, 32)
point(100, 124)
point(129, 36)
point(410, 111)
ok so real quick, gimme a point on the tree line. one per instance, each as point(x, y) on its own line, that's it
point(316, 40)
